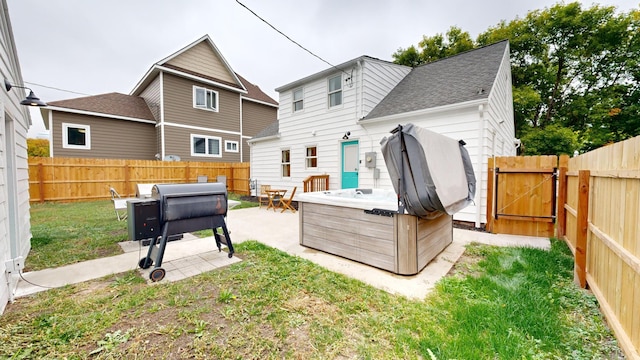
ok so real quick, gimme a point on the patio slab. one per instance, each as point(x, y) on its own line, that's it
point(191, 256)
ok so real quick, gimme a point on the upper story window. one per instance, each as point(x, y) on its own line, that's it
point(335, 90)
point(76, 136)
point(298, 100)
point(206, 146)
point(205, 98)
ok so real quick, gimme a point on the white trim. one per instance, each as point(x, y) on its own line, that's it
point(420, 112)
point(163, 144)
point(240, 144)
point(258, 101)
point(50, 120)
point(65, 139)
point(206, 138)
point(199, 128)
point(93, 113)
point(202, 80)
point(237, 144)
point(216, 106)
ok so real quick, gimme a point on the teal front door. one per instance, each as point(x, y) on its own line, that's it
point(350, 164)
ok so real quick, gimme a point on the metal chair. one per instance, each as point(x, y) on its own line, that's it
point(119, 204)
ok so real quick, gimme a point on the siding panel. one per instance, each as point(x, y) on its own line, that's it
point(110, 138)
point(202, 59)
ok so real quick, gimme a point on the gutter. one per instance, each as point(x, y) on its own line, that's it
point(427, 111)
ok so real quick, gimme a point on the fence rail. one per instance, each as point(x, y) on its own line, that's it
point(74, 179)
point(600, 208)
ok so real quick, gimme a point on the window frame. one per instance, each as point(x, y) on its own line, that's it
point(206, 138)
point(231, 142)
point(207, 93)
point(285, 164)
point(309, 159)
point(65, 136)
point(332, 92)
point(294, 101)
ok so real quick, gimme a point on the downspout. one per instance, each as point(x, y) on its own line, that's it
point(50, 119)
point(162, 142)
point(481, 170)
point(241, 133)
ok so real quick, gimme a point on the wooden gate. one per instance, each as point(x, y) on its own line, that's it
point(521, 195)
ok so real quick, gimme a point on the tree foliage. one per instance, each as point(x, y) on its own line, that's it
point(38, 147)
point(552, 140)
point(571, 67)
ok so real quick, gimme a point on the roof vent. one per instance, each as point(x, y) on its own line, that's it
point(480, 91)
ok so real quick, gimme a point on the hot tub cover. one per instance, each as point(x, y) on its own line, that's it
point(434, 175)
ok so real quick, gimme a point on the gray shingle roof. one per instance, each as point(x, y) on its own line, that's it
point(270, 130)
point(452, 80)
point(109, 104)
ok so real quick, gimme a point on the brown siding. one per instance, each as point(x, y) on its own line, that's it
point(178, 142)
point(256, 117)
point(178, 106)
point(202, 59)
point(110, 138)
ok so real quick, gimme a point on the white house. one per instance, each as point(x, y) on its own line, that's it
point(332, 122)
point(15, 230)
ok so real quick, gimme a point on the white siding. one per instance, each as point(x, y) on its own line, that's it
point(378, 80)
point(15, 231)
point(474, 122)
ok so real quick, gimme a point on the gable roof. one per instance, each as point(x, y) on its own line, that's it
point(110, 104)
point(254, 92)
point(459, 78)
point(232, 82)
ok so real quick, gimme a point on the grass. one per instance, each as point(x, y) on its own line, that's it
point(66, 233)
point(497, 303)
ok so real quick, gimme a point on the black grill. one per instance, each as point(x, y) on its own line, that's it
point(182, 208)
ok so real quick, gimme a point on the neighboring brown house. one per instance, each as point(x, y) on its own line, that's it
point(190, 105)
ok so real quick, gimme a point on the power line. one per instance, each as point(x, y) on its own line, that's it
point(288, 38)
point(55, 88)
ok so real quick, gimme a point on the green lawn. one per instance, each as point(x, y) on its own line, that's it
point(497, 303)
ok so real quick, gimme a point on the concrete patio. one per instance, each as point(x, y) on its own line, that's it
point(191, 256)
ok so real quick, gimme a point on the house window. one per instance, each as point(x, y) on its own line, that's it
point(231, 146)
point(286, 163)
point(76, 136)
point(205, 99)
point(311, 159)
point(298, 102)
point(335, 91)
point(206, 146)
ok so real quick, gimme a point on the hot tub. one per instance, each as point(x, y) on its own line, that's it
point(362, 225)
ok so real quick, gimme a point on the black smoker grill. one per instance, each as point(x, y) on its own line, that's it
point(177, 209)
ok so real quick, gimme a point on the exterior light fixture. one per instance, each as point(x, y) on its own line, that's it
point(346, 135)
point(31, 100)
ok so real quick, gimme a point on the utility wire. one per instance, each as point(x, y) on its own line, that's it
point(55, 88)
point(290, 39)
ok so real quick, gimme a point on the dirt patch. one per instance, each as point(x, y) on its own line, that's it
point(466, 265)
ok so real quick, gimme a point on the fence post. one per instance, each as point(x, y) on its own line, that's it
point(580, 266)
point(562, 200)
point(41, 181)
point(127, 178)
point(490, 195)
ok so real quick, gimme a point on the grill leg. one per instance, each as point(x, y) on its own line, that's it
point(163, 245)
point(227, 239)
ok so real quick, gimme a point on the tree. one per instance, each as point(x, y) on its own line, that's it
point(38, 147)
point(553, 140)
point(571, 67)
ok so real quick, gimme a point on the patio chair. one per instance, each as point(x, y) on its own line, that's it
point(286, 203)
point(263, 197)
point(119, 204)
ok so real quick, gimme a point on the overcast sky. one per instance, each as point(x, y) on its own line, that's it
point(95, 47)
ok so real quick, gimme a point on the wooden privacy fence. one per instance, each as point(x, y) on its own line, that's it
point(73, 179)
point(599, 218)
